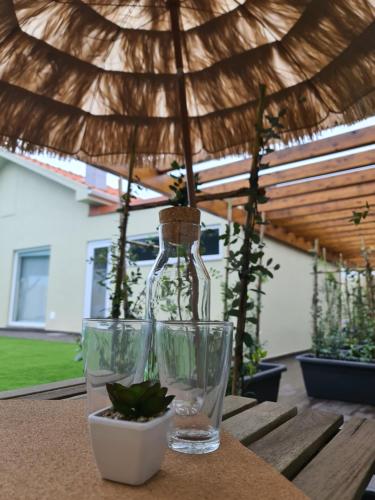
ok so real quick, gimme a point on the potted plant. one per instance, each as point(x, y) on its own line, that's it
point(261, 379)
point(129, 438)
point(341, 365)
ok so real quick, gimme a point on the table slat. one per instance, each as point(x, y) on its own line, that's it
point(342, 470)
point(62, 393)
point(47, 391)
point(256, 422)
point(290, 447)
point(236, 404)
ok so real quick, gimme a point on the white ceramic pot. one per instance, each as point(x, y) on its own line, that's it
point(129, 452)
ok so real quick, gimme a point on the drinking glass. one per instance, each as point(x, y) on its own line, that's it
point(193, 361)
point(113, 351)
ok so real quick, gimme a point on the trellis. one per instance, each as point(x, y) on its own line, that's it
point(308, 202)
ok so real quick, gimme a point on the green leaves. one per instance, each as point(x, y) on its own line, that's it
point(358, 217)
point(343, 313)
point(248, 340)
point(249, 261)
point(144, 400)
point(255, 238)
point(236, 228)
point(179, 187)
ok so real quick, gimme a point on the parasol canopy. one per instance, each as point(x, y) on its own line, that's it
point(80, 76)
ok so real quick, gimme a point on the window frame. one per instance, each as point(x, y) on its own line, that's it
point(44, 251)
point(91, 247)
point(143, 263)
point(206, 258)
point(217, 256)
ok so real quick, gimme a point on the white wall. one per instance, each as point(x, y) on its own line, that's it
point(285, 321)
point(35, 211)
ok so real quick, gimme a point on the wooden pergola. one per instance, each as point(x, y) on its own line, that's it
point(308, 202)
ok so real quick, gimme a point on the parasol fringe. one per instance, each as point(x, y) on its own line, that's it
point(78, 85)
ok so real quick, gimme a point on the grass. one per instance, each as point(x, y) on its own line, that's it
point(25, 362)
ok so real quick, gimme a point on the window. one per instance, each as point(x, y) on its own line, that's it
point(97, 293)
point(29, 291)
point(147, 247)
point(210, 243)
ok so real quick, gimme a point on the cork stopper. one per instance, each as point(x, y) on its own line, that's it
point(180, 214)
point(180, 225)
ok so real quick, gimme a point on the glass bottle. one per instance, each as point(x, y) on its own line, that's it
point(178, 286)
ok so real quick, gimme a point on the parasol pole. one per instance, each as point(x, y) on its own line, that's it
point(174, 11)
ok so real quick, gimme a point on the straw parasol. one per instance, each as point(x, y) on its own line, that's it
point(78, 76)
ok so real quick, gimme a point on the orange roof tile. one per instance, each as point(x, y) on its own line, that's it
point(69, 175)
point(82, 180)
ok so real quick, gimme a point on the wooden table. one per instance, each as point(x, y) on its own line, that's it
point(313, 449)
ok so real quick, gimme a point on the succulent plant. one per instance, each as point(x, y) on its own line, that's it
point(141, 401)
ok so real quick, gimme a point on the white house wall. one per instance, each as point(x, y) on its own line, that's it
point(37, 212)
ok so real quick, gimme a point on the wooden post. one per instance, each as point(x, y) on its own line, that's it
point(339, 304)
point(325, 255)
point(120, 278)
point(125, 224)
point(259, 285)
point(315, 300)
point(227, 253)
point(174, 10)
point(348, 298)
point(370, 287)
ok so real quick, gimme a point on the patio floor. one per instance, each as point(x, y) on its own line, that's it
point(38, 335)
point(292, 391)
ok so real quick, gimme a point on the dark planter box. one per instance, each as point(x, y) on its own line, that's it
point(351, 381)
point(264, 385)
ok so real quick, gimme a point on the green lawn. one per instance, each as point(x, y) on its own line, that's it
point(30, 362)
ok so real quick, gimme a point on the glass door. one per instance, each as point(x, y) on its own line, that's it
point(97, 286)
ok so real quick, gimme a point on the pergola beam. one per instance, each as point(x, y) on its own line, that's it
point(306, 202)
point(330, 218)
point(345, 234)
point(345, 245)
point(334, 144)
point(321, 147)
point(353, 203)
point(330, 225)
point(161, 184)
point(310, 186)
point(318, 185)
point(219, 208)
point(340, 238)
point(355, 257)
point(324, 196)
point(348, 162)
point(336, 240)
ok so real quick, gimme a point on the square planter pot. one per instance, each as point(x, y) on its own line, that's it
point(351, 381)
point(128, 452)
point(264, 385)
